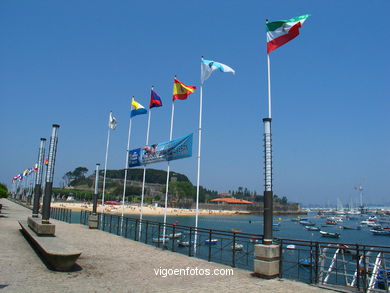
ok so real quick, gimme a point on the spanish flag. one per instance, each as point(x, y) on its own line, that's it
point(181, 91)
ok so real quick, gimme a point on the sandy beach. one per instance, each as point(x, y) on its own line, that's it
point(147, 210)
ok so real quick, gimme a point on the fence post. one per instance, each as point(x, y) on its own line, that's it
point(311, 262)
point(365, 270)
point(117, 225)
point(234, 250)
point(210, 236)
point(158, 237)
point(110, 222)
point(70, 216)
point(281, 258)
point(316, 262)
point(146, 235)
point(135, 230)
point(173, 238)
point(190, 240)
point(127, 221)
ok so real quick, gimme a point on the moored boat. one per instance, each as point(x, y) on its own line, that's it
point(160, 240)
point(331, 222)
point(237, 247)
point(312, 228)
point(380, 232)
point(307, 262)
point(211, 241)
point(176, 235)
point(330, 234)
point(306, 223)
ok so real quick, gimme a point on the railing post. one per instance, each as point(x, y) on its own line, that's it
point(190, 240)
point(110, 222)
point(281, 258)
point(81, 217)
point(173, 238)
point(316, 262)
point(365, 270)
point(158, 237)
point(146, 235)
point(210, 237)
point(136, 229)
point(311, 262)
point(117, 226)
point(234, 250)
point(126, 226)
point(357, 267)
point(70, 216)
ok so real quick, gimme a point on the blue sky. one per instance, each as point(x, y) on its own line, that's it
point(71, 62)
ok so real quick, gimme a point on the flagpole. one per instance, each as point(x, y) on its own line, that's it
point(105, 173)
point(168, 167)
point(144, 177)
point(268, 193)
point(126, 167)
point(198, 175)
point(269, 85)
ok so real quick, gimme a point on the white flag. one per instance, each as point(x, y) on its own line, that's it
point(207, 67)
point(112, 122)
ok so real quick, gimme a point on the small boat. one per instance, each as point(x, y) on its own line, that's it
point(275, 224)
point(331, 222)
point(237, 247)
point(235, 230)
point(183, 243)
point(254, 239)
point(306, 223)
point(350, 228)
point(380, 232)
point(176, 235)
point(312, 228)
point(211, 241)
point(160, 240)
point(306, 262)
point(330, 234)
point(372, 219)
point(297, 219)
point(291, 246)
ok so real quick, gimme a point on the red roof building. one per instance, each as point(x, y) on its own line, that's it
point(229, 200)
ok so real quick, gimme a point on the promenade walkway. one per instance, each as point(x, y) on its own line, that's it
point(110, 263)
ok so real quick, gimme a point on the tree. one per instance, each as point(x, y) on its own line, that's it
point(3, 190)
point(79, 172)
point(67, 177)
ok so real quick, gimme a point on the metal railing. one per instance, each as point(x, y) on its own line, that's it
point(359, 267)
point(227, 247)
point(354, 267)
point(61, 214)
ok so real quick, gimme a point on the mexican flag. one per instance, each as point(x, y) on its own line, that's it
point(282, 31)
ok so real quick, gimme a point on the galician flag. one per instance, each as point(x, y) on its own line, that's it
point(282, 31)
point(208, 67)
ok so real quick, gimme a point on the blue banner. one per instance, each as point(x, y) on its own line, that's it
point(166, 151)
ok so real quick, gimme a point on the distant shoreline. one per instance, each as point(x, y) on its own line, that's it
point(158, 211)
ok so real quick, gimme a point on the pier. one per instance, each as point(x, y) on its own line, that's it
point(110, 263)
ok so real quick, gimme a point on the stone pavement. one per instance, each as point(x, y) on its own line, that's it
point(110, 263)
